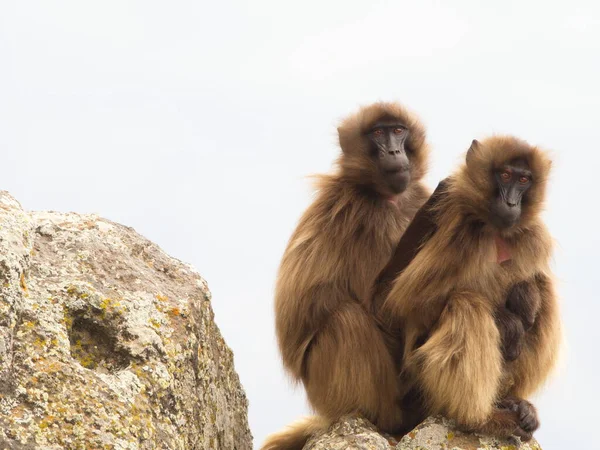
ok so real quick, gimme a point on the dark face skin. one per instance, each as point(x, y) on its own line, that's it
point(512, 181)
point(388, 144)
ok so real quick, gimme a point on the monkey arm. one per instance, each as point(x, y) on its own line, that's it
point(420, 229)
point(512, 333)
point(462, 360)
point(523, 303)
point(541, 344)
point(300, 320)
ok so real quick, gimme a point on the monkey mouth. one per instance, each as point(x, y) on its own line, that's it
point(396, 171)
point(503, 222)
point(504, 217)
point(398, 179)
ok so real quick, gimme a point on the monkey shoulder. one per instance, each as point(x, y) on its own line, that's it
point(335, 221)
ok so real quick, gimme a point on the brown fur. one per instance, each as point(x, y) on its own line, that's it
point(328, 337)
point(295, 435)
point(449, 294)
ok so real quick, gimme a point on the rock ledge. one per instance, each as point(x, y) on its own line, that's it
point(435, 433)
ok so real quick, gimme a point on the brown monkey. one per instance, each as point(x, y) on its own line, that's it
point(522, 303)
point(489, 240)
point(327, 333)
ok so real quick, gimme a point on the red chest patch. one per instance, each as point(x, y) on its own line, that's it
point(502, 250)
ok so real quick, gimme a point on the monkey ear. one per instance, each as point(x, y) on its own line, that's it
point(473, 149)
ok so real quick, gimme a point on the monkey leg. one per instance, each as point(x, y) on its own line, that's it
point(459, 367)
point(349, 369)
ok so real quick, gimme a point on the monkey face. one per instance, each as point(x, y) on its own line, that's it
point(512, 181)
point(384, 150)
point(388, 149)
point(505, 181)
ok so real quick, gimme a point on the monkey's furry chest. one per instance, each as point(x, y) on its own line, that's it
point(490, 278)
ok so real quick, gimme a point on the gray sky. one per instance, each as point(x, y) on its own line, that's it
point(198, 122)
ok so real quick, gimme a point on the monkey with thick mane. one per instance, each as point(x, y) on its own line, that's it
point(476, 306)
point(328, 335)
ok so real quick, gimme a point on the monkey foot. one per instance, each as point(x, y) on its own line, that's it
point(527, 416)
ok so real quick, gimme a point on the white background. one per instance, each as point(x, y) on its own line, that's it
point(197, 123)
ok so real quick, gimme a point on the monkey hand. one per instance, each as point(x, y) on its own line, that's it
point(512, 333)
point(523, 299)
point(527, 416)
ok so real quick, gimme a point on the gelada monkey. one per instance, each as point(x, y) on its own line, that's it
point(522, 303)
point(328, 336)
point(488, 255)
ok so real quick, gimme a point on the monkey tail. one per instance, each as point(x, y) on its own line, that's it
point(295, 435)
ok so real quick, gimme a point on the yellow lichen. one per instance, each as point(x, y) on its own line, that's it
point(24, 285)
point(68, 321)
point(110, 307)
point(88, 362)
point(47, 422)
point(39, 342)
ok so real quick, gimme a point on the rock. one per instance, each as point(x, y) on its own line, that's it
point(107, 342)
point(352, 433)
point(435, 433)
point(438, 432)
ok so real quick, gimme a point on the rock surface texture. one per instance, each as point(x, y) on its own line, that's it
point(106, 342)
point(353, 433)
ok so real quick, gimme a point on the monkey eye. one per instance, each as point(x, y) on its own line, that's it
point(378, 132)
point(524, 180)
point(505, 175)
point(398, 130)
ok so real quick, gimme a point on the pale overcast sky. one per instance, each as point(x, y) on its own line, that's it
point(198, 122)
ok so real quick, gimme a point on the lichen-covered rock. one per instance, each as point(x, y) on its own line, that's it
point(352, 433)
point(435, 433)
point(106, 342)
point(439, 433)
